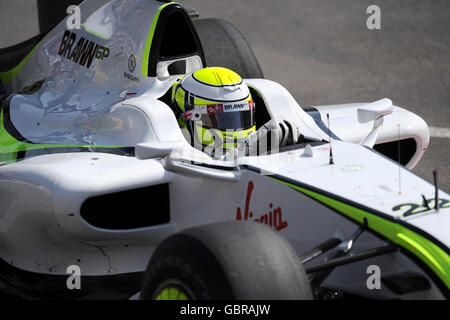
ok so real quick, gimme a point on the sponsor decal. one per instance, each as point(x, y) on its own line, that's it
point(326, 148)
point(237, 106)
point(219, 108)
point(132, 63)
point(274, 218)
point(131, 77)
point(413, 208)
point(194, 116)
point(214, 108)
point(131, 68)
point(187, 115)
point(83, 52)
point(244, 106)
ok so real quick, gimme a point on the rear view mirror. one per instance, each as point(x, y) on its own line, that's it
point(167, 68)
point(375, 110)
point(156, 150)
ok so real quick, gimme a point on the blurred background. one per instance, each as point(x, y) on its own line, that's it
point(323, 53)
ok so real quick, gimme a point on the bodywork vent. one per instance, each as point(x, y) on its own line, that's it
point(131, 209)
point(408, 148)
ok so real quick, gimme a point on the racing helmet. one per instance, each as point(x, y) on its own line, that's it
point(215, 106)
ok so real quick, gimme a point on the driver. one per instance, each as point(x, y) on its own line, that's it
point(216, 109)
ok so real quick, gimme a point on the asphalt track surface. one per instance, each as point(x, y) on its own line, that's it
point(323, 53)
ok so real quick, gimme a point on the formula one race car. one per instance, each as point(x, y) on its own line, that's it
point(96, 176)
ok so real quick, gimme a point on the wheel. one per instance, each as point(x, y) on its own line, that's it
point(224, 46)
point(223, 261)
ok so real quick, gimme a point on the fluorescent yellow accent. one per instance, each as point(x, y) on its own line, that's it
point(421, 250)
point(148, 44)
point(202, 102)
point(427, 251)
point(204, 135)
point(211, 76)
point(7, 76)
point(179, 97)
point(95, 33)
point(218, 76)
point(9, 146)
point(172, 293)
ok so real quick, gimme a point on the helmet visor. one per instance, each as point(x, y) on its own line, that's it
point(238, 116)
point(229, 121)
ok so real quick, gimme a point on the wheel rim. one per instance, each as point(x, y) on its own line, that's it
point(173, 289)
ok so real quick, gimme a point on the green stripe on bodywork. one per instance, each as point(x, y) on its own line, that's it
point(9, 75)
point(148, 44)
point(9, 146)
point(433, 256)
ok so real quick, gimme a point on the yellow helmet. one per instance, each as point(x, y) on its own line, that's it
point(215, 106)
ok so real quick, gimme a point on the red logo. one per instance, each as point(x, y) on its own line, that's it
point(187, 115)
point(274, 218)
point(214, 108)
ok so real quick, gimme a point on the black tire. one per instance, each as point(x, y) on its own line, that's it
point(224, 46)
point(223, 261)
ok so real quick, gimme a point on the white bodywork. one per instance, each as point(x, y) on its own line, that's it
point(42, 231)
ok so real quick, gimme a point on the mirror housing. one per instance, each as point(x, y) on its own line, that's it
point(154, 150)
point(375, 110)
point(193, 63)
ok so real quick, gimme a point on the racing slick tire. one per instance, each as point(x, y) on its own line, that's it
point(226, 261)
point(225, 46)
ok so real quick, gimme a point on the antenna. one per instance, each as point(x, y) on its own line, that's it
point(399, 162)
point(436, 190)
point(425, 202)
point(329, 138)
